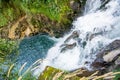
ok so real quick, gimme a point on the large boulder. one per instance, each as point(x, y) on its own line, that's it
point(112, 55)
point(108, 58)
point(51, 73)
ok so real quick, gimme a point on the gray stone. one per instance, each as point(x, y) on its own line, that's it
point(68, 46)
point(108, 57)
point(111, 55)
point(74, 35)
point(117, 62)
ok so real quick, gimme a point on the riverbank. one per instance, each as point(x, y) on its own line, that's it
point(21, 19)
point(25, 18)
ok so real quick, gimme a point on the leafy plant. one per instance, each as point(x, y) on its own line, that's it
point(6, 47)
point(53, 9)
point(12, 73)
point(117, 76)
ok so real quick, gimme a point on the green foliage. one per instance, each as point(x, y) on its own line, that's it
point(6, 47)
point(29, 76)
point(117, 76)
point(48, 73)
point(3, 20)
point(9, 11)
point(53, 9)
point(15, 76)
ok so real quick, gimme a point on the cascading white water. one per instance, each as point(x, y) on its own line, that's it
point(92, 6)
point(104, 23)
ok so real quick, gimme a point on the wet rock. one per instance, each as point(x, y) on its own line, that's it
point(117, 62)
point(83, 44)
point(67, 46)
point(104, 2)
point(74, 35)
point(108, 58)
point(112, 55)
point(75, 6)
point(90, 35)
point(112, 46)
point(99, 65)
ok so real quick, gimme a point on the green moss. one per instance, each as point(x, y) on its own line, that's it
point(48, 73)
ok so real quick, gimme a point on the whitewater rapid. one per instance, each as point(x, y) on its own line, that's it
point(104, 22)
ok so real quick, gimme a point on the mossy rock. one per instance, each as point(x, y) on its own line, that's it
point(51, 73)
point(48, 73)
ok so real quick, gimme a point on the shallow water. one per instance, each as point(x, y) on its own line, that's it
point(32, 49)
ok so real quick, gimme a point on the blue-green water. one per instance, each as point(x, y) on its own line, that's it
point(29, 50)
point(33, 48)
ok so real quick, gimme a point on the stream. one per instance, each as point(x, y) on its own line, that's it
point(97, 27)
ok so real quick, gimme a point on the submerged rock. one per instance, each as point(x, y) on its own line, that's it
point(91, 35)
point(74, 35)
point(68, 46)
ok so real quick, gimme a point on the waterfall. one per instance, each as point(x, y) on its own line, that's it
point(95, 29)
point(92, 6)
